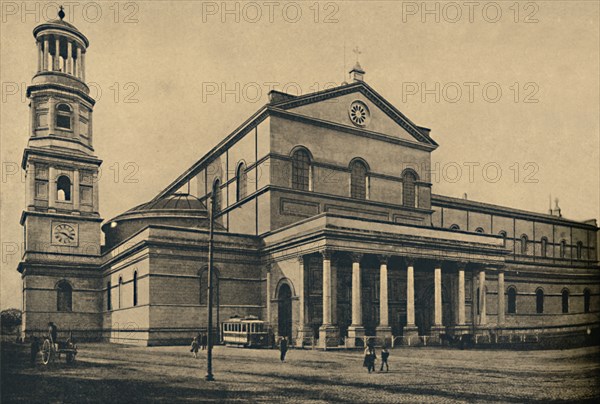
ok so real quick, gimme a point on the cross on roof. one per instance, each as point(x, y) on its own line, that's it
point(357, 52)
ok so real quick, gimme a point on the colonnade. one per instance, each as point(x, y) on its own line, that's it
point(328, 332)
point(50, 58)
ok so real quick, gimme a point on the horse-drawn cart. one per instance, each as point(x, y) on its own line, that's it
point(50, 351)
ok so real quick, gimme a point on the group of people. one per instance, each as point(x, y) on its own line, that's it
point(371, 357)
point(199, 343)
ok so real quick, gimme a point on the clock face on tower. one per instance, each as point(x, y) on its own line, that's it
point(64, 234)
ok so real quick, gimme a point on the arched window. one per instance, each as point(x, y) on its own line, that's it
point(565, 301)
point(63, 188)
point(120, 291)
point(301, 170)
point(408, 188)
point(64, 296)
point(479, 230)
point(587, 296)
point(544, 247)
point(539, 301)
point(455, 227)
point(203, 280)
point(524, 244)
point(503, 235)
point(563, 248)
point(358, 180)
point(108, 297)
point(217, 195)
point(135, 289)
point(512, 300)
point(63, 116)
point(242, 182)
point(579, 250)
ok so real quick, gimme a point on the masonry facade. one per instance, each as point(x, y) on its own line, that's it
point(327, 228)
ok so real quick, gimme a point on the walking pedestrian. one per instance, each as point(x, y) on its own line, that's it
point(195, 346)
point(283, 347)
point(385, 354)
point(204, 341)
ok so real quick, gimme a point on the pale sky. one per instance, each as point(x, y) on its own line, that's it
point(196, 77)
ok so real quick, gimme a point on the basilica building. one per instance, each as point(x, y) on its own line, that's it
point(327, 227)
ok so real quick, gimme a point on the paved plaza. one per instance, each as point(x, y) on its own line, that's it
point(118, 373)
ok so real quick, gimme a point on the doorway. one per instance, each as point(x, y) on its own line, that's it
point(284, 311)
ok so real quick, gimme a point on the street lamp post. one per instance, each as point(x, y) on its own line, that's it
point(209, 339)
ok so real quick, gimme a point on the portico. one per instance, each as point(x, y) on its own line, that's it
point(406, 281)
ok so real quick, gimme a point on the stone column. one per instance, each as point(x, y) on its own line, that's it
point(303, 330)
point(69, 62)
point(40, 55)
point(46, 53)
point(52, 189)
point(268, 295)
point(461, 296)
point(78, 63)
point(56, 66)
point(437, 295)
point(83, 66)
point(482, 313)
point(500, 298)
point(410, 329)
point(75, 192)
point(356, 330)
point(383, 329)
point(328, 333)
point(326, 288)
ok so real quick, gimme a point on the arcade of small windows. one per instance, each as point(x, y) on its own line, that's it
point(565, 295)
point(64, 116)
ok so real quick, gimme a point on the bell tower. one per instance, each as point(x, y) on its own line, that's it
point(61, 218)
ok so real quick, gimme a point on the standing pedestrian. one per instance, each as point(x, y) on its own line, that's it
point(195, 346)
point(385, 354)
point(35, 347)
point(283, 347)
point(369, 361)
point(204, 341)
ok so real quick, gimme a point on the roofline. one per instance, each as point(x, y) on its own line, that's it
point(483, 207)
point(252, 121)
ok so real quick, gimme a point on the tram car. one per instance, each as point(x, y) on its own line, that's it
point(248, 332)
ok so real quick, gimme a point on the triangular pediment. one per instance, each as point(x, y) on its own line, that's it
point(336, 105)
